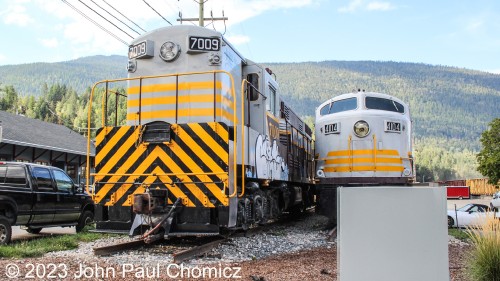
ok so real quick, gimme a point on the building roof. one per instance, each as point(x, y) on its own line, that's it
point(21, 130)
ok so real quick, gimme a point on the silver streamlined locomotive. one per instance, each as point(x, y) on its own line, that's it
point(362, 138)
point(209, 143)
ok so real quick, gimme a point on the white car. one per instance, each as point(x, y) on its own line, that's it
point(469, 214)
point(495, 202)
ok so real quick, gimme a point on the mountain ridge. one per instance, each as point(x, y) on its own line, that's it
point(446, 102)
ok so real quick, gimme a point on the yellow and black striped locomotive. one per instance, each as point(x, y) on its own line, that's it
point(208, 142)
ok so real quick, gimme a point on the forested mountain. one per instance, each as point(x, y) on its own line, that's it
point(28, 79)
point(450, 106)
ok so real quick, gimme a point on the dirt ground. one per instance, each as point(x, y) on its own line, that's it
point(315, 264)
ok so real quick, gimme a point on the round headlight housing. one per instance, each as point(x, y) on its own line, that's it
point(169, 51)
point(361, 129)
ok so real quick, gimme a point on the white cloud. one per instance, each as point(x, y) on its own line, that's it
point(50, 42)
point(380, 6)
point(352, 7)
point(84, 38)
point(2, 57)
point(495, 71)
point(16, 14)
point(356, 5)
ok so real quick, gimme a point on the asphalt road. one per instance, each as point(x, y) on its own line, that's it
point(21, 234)
point(460, 203)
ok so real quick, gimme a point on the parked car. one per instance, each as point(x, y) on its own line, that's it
point(495, 202)
point(467, 215)
point(36, 197)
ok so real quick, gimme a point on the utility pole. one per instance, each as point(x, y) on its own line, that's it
point(202, 13)
point(201, 18)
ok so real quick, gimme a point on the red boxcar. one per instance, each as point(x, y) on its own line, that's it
point(458, 192)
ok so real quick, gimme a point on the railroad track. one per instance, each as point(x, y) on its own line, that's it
point(193, 251)
point(178, 256)
point(120, 247)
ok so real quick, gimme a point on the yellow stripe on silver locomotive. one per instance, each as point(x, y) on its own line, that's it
point(364, 138)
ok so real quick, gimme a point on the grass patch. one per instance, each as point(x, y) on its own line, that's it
point(43, 245)
point(484, 263)
point(459, 234)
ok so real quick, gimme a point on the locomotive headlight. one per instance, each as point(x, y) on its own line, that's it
point(169, 51)
point(361, 129)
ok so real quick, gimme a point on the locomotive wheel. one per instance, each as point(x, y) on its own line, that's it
point(244, 213)
point(259, 202)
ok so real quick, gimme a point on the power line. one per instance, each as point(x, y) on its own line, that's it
point(94, 22)
point(115, 17)
point(105, 19)
point(124, 16)
point(157, 12)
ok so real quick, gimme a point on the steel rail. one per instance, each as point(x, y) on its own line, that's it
point(107, 250)
point(197, 250)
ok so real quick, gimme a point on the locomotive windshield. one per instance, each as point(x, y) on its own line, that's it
point(384, 104)
point(339, 106)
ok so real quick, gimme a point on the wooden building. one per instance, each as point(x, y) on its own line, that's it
point(29, 140)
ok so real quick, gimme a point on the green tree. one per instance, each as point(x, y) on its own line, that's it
point(489, 156)
point(8, 101)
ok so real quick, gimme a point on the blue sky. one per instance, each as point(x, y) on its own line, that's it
point(461, 33)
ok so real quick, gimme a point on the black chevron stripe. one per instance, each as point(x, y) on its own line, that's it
point(219, 161)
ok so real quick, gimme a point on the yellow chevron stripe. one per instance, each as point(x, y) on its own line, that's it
point(110, 144)
point(216, 191)
point(99, 138)
point(344, 169)
point(385, 152)
point(119, 152)
point(174, 189)
point(220, 130)
point(207, 160)
point(139, 170)
point(187, 181)
point(380, 160)
point(202, 134)
point(171, 87)
point(121, 170)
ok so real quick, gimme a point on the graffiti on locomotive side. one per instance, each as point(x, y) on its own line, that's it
point(268, 162)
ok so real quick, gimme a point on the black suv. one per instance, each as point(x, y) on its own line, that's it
point(37, 196)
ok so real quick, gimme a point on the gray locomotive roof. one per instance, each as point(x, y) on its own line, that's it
point(21, 130)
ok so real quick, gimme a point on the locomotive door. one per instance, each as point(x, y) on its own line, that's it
point(362, 158)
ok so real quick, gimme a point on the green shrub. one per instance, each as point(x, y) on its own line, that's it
point(484, 262)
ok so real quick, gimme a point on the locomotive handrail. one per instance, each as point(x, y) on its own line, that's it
point(375, 153)
point(233, 94)
point(245, 81)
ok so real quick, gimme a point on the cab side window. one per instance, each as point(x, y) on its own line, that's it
point(63, 182)
point(43, 178)
point(271, 100)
